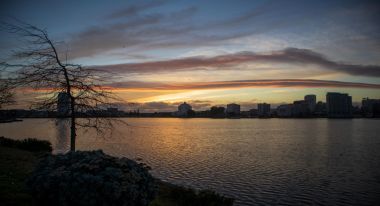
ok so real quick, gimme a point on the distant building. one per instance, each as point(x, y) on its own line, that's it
point(63, 105)
point(184, 109)
point(113, 111)
point(300, 109)
point(233, 109)
point(376, 110)
point(339, 105)
point(285, 110)
point(320, 109)
point(369, 107)
point(263, 110)
point(217, 112)
point(245, 114)
point(253, 112)
point(311, 100)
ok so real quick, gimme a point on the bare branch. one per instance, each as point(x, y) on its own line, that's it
point(38, 65)
point(6, 95)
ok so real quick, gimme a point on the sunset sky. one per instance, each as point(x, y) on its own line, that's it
point(215, 52)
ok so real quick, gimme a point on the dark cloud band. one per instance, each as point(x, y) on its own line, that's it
point(307, 83)
point(291, 56)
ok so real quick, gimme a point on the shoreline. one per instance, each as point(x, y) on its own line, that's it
point(10, 120)
point(20, 119)
point(17, 164)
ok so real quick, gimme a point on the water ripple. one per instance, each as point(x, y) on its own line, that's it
point(258, 162)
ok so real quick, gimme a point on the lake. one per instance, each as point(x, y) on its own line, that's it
point(256, 161)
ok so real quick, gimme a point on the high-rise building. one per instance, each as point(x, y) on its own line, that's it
point(300, 108)
point(311, 100)
point(263, 110)
point(285, 110)
point(63, 105)
point(368, 106)
point(233, 109)
point(339, 105)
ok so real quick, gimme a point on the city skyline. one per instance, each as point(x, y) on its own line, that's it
point(197, 105)
point(166, 52)
point(337, 105)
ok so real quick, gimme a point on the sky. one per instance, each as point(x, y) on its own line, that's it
point(215, 52)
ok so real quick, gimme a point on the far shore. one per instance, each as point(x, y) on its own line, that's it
point(10, 120)
point(20, 119)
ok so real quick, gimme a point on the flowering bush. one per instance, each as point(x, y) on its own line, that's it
point(91, 178)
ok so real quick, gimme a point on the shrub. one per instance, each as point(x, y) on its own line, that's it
point(91, 178)
point(30, 144)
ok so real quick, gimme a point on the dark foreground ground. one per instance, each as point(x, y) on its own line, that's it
point(17, 164)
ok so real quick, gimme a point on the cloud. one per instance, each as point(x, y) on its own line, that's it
point(137, 30)
point(293, 56)
point(132, 30)
point(154, 25)
point(134, 10)
point(304, 83)
point(141, 27)
point(255, 15)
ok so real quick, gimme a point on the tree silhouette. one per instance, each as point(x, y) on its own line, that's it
point(40, 66)
point(6, 95)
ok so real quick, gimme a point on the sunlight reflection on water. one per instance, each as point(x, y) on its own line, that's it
point(63, 134)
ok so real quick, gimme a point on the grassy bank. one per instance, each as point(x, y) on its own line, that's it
point(16, 164)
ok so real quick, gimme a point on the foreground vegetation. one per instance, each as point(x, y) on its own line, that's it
point(30, 144)
point(18, 159)
point(15, 166)
point(173, 195)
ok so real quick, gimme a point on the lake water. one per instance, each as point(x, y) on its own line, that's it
point(256, 161)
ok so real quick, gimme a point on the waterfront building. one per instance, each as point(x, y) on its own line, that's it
point(114, 111)
point(284, 110)
point(63, 104)
point(320, 109)
point(233, 109)
point(263, 110)
point(369, 106)
point(339, 105)
point(300, 108)
point(311, 100)
point(184, 109)
point(253, 112)
point(217, 112)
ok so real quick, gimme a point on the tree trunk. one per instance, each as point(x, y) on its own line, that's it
point(72, 128)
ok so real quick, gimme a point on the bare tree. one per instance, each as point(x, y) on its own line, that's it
point(40, 66)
